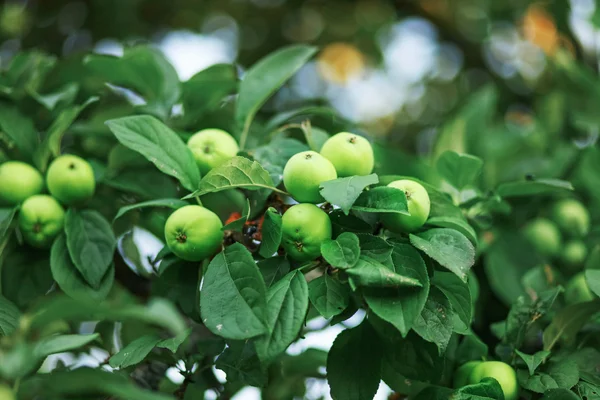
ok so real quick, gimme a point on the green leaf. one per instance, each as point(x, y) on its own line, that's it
point(64, 96)
point(315, 138)
point(456, 223)
point(371, 273)
point(343, 192)
point(239, 172)
point(592, 277)
point(263, 79)
point(353, 364)
point(173, 343)
point(19, 128)
point(341, 223)
point(168, 203)
point(460, 170)
point(298, 114)
point(6, 218)
point(559, 374)
point(562, 394)
point(342, 252)
point(450, 248)
point(457, 291)
point(274, 155)
point(61, 343)
point(9, 317)
point(375, 247)
point(143, 69)
point(233, 299)
point(488, 388)
point(587, 362)
point(273, 269)
point(287, 304)
point(70, 280)
point(534, 188)
point(26, 276)
point(241, 364)
point(205, 90)
point(401, 306)
point(471, 349)
point(382, 199)
point(586, 391)
point(86, 382)
point(160, 145)
point(52, 142)
point(435, 322)
point(91, 244)
point(271, 233)
point(146, 183)
point(329, 296)
point(533, 361)
point(238, 224)
point(135, 352)
point(568, 322)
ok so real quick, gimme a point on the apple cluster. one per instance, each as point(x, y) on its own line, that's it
point(561, 237)
point(194, 233)
point(70, 182)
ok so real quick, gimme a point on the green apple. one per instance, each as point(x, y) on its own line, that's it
point(18, 181)
point(577, 290)
point(463, 374)
point(211, 148)
point(502, 372)
point(574, 253)
point(572, 217)
point(418, 207)
point(193, 233)
point(544, 236)
point(71, 179)
point(350, 154)
point(6, 393)
point(304, 227)
point(303, 175)
point(41, 219)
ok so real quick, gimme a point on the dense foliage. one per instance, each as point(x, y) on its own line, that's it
point(461, 257)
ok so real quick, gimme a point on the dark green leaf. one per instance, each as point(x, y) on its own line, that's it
point(435, 322)
point(561, 374)
point(456, 223)
point(174, 342)
point(448, 247)
point(241, 364)
point(19, 129)
point(353, 364)
point(160, 145)
point(135, 352)
point(533, 361)
point(91, 244)
point(233, 299)
point(273, 269)
point(401, 306)
point(271, 233)
point(26, 276)
point(9, 317)
point(342, 252)
point(6, 218)
point(562, 394)
point(69, 279)
point(205, 90)
point(329, 296)
point(488, 388)
point(287, 304)
point(343, 192)
point(568, 322)
point(238, 224)
point(457, 292)
point(263, 79)
point(375, 247)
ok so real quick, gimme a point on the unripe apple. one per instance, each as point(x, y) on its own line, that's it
point(350, 154)
point(502, 372)
point(418, 207)
point(18, 181)
point(193, 233)
point(572, 217)
point(70, 179)
point(303, 175)
point(211, 148)
point(544, 236)
point(304, 228)
point(41, 219)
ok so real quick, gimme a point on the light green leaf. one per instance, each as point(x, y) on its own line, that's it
point(537, 187)
point(61, 343)
point(343, 192)
point(135, 352)
point(168, 203)
point(460, 170)
point(382, 199)
point(371, 273)
point(271, 233)
point(176, 341)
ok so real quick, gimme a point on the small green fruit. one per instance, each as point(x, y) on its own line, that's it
point(211, 148)
point(303, 175)
point(502, 372)
point(71, 179)
point(572, 217)
point(304, 228)
point(18, 181)
point(544, 236)
point(574, 253)
point(577, 290)
point(418, 207)
point(41, 219)
point(6, 393)
point(193, 233)
point(463, 374)
point(350, 154)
